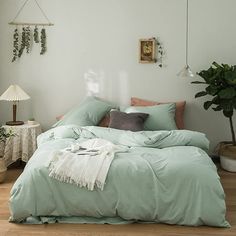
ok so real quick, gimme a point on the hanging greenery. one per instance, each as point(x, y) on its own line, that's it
point(23, 38)
point(15, 45)
point(43, 41)
point(27, 39)
point(160, 53)
point(36, 34)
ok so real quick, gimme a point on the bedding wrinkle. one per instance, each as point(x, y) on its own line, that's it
point(158, 185)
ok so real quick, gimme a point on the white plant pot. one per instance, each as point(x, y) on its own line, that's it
point(228, 163)
point(31, 122)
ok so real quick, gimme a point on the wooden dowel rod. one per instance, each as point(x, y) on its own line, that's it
point(22, 23)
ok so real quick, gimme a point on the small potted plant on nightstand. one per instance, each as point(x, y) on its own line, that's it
point(221, 86)
point(3, 137)
point(31, 121)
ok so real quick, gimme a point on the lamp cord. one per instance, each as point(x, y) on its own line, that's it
point(187, 29)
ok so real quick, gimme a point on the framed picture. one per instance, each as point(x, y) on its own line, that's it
point(147, 50)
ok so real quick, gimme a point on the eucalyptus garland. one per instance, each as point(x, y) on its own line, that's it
point(36, 34)
point(27, 39)
point(15, 45)
point(43, 41)
point(23, 42)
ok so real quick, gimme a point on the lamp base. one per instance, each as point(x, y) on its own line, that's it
point(13, 123)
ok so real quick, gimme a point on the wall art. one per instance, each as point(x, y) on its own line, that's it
point(151, 51)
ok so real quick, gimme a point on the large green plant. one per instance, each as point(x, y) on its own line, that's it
point(220, 81)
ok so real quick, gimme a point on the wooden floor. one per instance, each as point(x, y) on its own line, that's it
point(10, 229)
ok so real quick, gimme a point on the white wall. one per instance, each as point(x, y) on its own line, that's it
point(98, 41)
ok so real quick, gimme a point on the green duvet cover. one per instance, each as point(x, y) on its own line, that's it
point(166, 176)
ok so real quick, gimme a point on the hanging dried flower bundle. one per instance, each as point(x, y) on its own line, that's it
point(22, 46)
point(36, 34)
point(15, 45)
point(43, 41)
point(26, 41)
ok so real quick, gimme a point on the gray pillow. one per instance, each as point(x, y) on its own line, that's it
point(125, 121)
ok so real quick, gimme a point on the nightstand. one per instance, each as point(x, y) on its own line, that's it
point(23, 145)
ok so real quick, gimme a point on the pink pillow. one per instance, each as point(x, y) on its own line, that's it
point(179, 112)
point(59, 117)
point(105, 121)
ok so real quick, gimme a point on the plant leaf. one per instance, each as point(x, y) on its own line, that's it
point(228, 113)
point(230, 77)
point(227, 93)
point(200, 94)
point(212, 90)
point(218, 108)
point(207, 104)
point(216, 64)
point(198, 82)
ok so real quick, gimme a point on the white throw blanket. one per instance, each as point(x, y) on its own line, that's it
point(85, 164)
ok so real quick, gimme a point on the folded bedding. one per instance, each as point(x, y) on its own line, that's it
point(165, 176)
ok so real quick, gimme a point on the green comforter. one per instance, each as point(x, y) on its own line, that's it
point(166, 176)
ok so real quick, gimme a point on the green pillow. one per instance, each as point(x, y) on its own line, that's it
point(161, 117)
point(88, 113)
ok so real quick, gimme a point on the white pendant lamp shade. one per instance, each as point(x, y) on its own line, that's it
point(186, 72)
point(14, 93)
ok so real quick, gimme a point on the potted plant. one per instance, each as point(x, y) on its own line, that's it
point(31, 121)
point(220, 81)
point(3, 138)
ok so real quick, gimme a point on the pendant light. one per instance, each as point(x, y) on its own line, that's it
point(186, 71)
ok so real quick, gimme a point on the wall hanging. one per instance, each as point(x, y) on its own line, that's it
point(186, 71)
point(23, 38)
point(151, 51)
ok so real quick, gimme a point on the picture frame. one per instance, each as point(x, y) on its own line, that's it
point(147, 50)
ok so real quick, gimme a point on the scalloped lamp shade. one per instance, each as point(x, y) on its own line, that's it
point(14, 93)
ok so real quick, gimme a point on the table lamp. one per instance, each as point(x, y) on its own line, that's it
point(15, 94)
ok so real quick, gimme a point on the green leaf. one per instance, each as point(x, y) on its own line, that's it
point(207, 104)
point(216, 64)
point(200, 94)
point(212, 90)
point(228, 113)
point(216, 100)
point(198, 82)
point(234, 103)
point(230, 77)
point(218, 108)
point(227, 93)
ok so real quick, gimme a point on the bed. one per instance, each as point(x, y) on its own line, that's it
point(164, 176)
